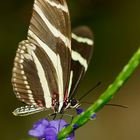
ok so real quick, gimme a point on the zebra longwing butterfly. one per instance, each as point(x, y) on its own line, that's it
point(50, 64)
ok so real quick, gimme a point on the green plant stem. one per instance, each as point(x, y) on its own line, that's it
point(105, 97)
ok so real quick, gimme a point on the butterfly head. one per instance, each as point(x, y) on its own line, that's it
point(73, 103)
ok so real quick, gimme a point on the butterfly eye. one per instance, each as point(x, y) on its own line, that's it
point(73, 102)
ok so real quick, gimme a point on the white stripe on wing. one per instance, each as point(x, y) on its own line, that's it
point(82, 39)
point(55, 59)
point(70, 82)
point(59, 6)
point(77, 57)
point(43, 80)
point(53, 30)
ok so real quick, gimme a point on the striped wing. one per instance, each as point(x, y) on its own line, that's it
point(40, 74)
point(82, 49)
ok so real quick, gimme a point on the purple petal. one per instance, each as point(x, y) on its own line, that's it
point(58, 124)
point(43, 122)
point(79, 111)
point(93, 117)
point(75, 126)
point(51, 138)
point(35, 133)
point(43, 129)
point(38, 129)
point(51, 134)
point(39, 132)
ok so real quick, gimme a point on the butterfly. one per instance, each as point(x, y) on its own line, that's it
point(51, 62)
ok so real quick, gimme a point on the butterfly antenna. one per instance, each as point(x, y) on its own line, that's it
point(109, 104)
point(88, 92)
point(117, 105)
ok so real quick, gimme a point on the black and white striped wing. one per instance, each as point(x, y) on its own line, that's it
point(82, 49)
point(51, 30)
point(40, 74)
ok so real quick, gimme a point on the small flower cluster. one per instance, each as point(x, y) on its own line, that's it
point(48, 130)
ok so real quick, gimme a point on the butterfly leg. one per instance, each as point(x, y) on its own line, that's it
point(54, 115)
point(67, 115)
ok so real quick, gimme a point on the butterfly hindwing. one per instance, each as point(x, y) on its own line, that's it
point(30, 75)
point(28, 110)
point(82, 49)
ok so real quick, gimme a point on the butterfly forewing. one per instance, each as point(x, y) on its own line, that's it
point(40, 74)
point(82, 49)
point(50, 27)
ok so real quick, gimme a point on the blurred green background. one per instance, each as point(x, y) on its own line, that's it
point(116, 27)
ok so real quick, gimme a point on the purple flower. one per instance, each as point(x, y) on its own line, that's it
point(75, 126)
point(48, 130)
point(79, 111)
point(93, 117)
